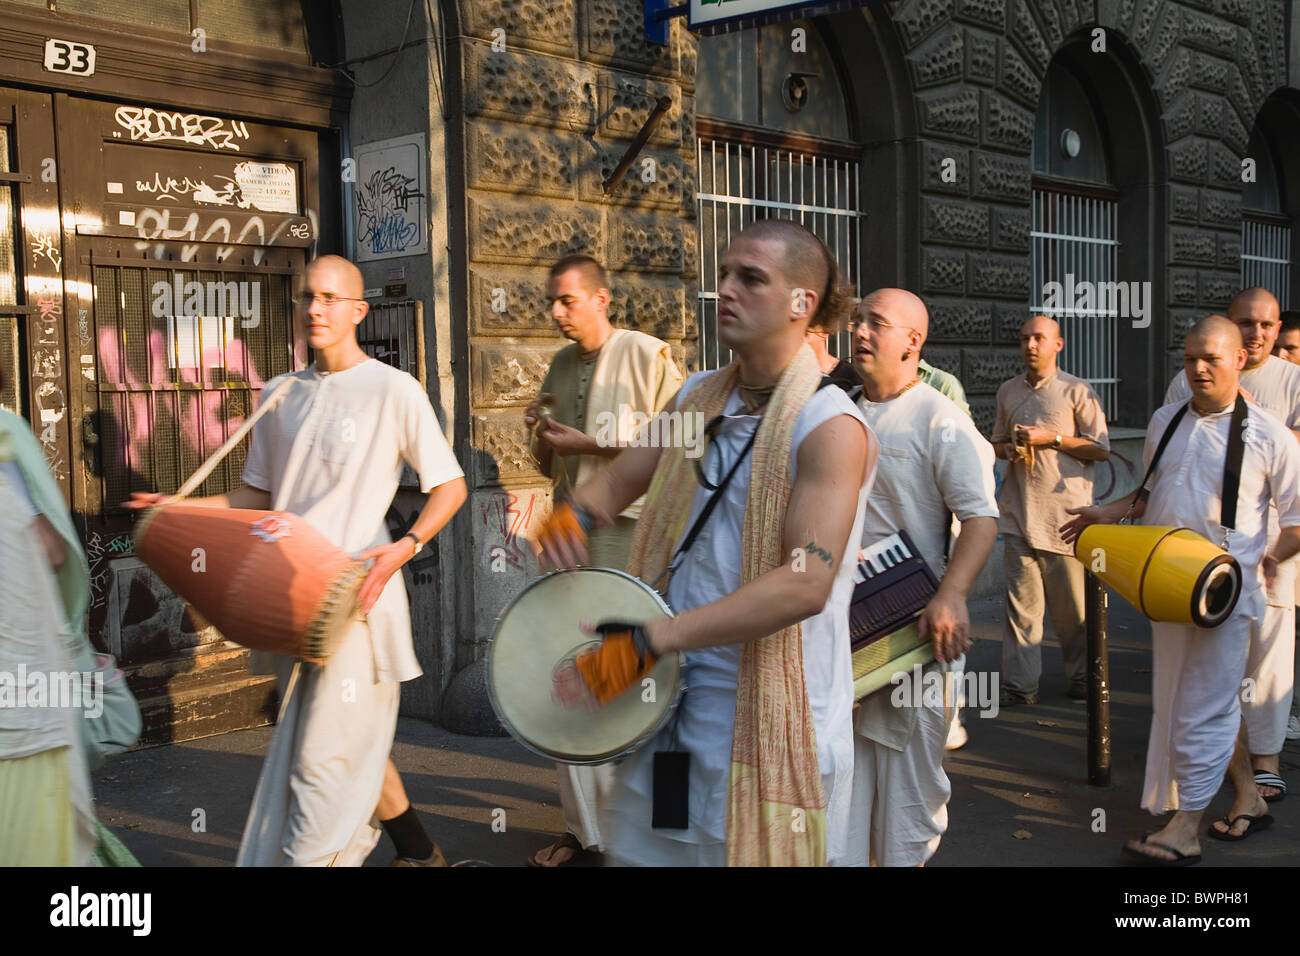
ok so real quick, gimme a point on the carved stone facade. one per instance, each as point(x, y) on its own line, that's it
point(976, 69)
point(553, 95)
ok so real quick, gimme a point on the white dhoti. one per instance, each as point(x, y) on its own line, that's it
point(1270, 665)
point(1196, 711)
point(898, 811)
point(320, 783)
point(627, 811)
point(583, 791)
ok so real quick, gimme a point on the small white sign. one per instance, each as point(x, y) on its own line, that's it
point(115, 188)
point(125, 217)
point(269, 187)
point(66, 56)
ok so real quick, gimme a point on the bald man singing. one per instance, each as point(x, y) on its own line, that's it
point(1197, 672)
point(1051, 428)
point(1274, 384)
point(332, 451)
point(934, 464)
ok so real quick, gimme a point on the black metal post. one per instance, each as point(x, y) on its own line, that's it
point(1098, 682)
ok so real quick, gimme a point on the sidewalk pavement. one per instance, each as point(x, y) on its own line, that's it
point(1020, 786)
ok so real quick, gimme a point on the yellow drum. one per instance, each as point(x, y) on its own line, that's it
point(1169, 574)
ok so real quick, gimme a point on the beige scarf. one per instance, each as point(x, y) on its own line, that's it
point(776, 809)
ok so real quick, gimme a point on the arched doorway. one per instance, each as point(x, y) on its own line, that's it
point(1092, 247)
point(773, 140)
point(1269, 198)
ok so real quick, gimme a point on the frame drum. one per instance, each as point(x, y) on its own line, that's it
point(538, 630)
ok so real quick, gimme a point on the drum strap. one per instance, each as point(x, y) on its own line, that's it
point(1231, 465)
point(712, 503)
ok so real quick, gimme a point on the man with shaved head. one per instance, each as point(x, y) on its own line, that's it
point(1287, 346)
point(1274, 384)
point(1051, 428)
point(934, 465)
point(332, 451)
point(1197, 672)
point(753, 545)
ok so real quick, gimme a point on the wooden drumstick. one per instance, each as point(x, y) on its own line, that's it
point(233, 441)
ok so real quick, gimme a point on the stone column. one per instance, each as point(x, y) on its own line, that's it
point(554, 90)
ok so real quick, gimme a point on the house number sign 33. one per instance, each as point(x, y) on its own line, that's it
point(65, 56)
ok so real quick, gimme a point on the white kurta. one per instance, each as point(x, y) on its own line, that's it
point(933, 461)
point(1197, 673)
point(332, 452)
point(705, 718)
point(1270, 663)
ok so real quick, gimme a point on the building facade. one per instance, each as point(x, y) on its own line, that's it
point(1119, 163)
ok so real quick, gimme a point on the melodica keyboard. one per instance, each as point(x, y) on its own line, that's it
point(892, 586)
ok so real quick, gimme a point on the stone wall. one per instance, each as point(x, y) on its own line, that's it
point(977, 67)
point(554, 91)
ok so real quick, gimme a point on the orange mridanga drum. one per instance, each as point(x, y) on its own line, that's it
point(1169, 574)
point(265, 579)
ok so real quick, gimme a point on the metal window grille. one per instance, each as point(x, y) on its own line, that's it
point(1266, 255)
point(393, 332)
point(172, 388)
point(1074, 241)
point(743, 182)
point(10, 313)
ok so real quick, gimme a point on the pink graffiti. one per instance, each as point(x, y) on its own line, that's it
point(203, 417)
point(500, 513)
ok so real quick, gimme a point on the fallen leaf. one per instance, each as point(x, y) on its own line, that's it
point(1022, 835)
point(1047, 723)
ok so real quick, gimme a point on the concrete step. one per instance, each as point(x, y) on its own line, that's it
point(189, 669)
point(206, 708)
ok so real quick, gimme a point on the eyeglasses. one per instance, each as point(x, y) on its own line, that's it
point(305, 299)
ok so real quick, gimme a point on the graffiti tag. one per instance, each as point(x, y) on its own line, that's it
point(159, 126)
point(43, 245)
point(383, 203)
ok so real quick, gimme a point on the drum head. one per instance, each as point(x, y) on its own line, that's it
point(540, 629)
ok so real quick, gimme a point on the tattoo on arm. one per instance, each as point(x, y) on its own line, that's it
point(811, 548)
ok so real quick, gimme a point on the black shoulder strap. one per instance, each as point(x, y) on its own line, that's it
point(1231, 464)
point(718, 492)
point(1143, 491)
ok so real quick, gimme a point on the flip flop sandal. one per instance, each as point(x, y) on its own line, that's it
point(566, 842)
point(1180, 858)
point(1264, 778)
point(1256, 823)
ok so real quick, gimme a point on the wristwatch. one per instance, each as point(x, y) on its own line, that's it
point(1056, 442)
point(419, 545)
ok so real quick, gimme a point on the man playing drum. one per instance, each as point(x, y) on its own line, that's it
point(1274, 385)
point(332, 452)
point(600, 384)
point(1197, 672)
point(761, 592)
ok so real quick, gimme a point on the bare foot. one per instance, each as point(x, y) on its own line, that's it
point(1251, 804)
point(558, 853)
point(1170, 837)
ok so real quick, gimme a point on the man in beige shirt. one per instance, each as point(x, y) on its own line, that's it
point(595, 389)
point(1051, 428)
